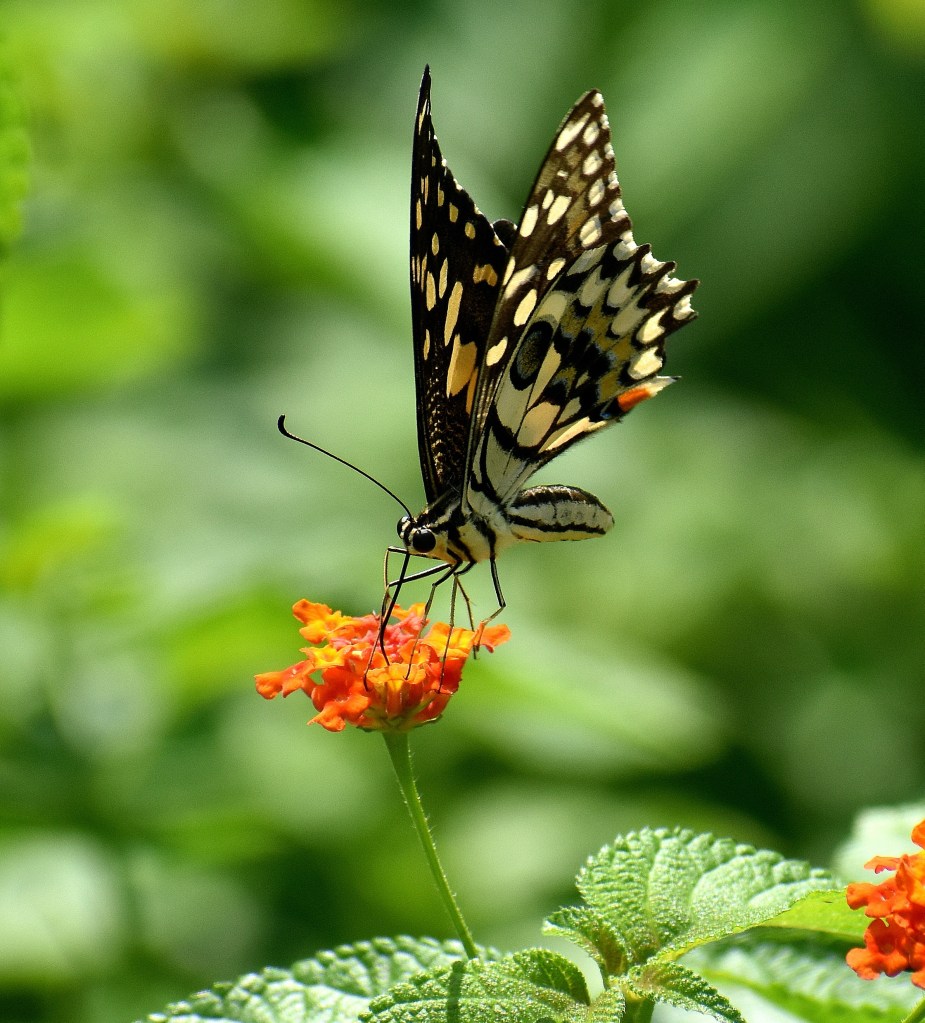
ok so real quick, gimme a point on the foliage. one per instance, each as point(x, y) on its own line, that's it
point(750, 917)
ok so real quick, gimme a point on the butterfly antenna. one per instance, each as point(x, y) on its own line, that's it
point(281, 425)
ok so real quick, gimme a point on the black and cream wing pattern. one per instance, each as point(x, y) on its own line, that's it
point(457, 260)
point(526, 339)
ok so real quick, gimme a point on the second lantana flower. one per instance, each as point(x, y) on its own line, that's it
point(894, 941)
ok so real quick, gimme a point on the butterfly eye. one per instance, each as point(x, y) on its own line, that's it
point(418, 538)
point(423, 540)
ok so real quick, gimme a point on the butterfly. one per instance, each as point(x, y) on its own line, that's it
point(527, 338)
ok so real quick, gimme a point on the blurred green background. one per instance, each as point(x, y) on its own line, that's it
point(216, 232)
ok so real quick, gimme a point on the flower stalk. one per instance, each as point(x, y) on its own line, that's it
point(400, 754)
point(385, 677)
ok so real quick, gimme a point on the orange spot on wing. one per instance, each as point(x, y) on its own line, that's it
point(632, 398)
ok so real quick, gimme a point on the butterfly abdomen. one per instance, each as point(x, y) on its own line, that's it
point(558, 513)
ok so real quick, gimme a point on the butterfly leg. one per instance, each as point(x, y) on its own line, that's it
point(457, 585)
point(391, 598)
point(447, 572)
point(440, 566)
point(393, 589)
point(452, 572)
point(457, 588)
point(502, 603)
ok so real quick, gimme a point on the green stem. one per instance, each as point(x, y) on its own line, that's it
point(400, 753)
point(917, 1015)
point(639, 1010)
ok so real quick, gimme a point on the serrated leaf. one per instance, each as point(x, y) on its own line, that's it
point(535, 986)
point(332, 987)
point(608, 1007)
point(590, 932)
point(809, 980)
point(664, 892)
point(370, 968)
point(824, 912)
point(548, 969)
point(676, 985)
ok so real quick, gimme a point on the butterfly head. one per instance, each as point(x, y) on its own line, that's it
point(417, 538)
point(444, 532)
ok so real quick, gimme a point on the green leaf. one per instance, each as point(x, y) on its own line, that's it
point(676, 985)
point(824, 912)
point(332, 987)
point(608, 1007)
point(592, 933)
point(805, 978)
point(535, 986)
point(664, 892)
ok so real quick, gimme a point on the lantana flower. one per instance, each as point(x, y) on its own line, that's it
point(351, 678)
point(895, 940)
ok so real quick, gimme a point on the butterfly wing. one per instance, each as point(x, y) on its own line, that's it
point(591, 352)
point(579, 329)
point(457, 260)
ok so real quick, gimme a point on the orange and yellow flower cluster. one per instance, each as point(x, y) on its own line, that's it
point(895, 941)
point(351, 678)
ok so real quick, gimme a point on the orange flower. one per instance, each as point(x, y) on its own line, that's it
point(895, 941)
point(350, 680)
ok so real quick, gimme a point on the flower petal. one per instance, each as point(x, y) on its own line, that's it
point(894, 941)
point(387, 679)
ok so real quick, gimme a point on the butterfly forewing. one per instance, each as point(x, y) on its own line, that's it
point(574, 203)
point(581, 320)
point(457, 261)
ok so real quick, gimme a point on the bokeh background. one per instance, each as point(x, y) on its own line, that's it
point(215, 232)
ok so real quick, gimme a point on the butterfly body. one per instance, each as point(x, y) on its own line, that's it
point(446, 532)
point(526, 339)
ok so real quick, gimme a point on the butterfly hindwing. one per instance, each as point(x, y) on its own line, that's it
point(591, 352)
point(457, 260)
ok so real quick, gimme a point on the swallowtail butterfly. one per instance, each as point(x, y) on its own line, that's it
point(526, 339)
